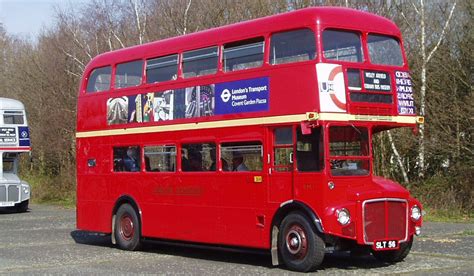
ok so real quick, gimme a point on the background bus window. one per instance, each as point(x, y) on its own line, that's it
point(342, 45)
point(384, 50)
point(13, 118)
point(127, 159)
point(160, 158)
point(198, 157)
point(129, 74)
point(8, 162)
point(242, 156)
point(243, 54)
point(283, 149)
point(292, 46)
point(310, 151)
point(99, 79)
point(162, 69)
point(200, 62)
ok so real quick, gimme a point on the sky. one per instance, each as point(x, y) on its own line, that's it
point(26, 18)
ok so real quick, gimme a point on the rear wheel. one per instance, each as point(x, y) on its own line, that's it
point(300, 247)
point(127, 228)
point(394, 256)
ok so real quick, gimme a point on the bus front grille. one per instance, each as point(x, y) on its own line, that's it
point(3, 193)
point(385, 219)
point(13, 193)
point(9, 193)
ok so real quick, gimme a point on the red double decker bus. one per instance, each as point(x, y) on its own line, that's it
point(257, 134)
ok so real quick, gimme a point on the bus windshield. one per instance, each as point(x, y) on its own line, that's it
point(384, 50)
point(349, 150)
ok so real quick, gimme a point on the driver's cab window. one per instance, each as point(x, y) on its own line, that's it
point(8, 162)
point(349, 150)
point(310, 150)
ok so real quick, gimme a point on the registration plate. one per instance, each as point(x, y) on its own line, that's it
point(7, 204)
point(385, 245)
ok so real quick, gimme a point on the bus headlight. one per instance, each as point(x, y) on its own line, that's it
point(415, 213)
point(26, 190)
point(343, 216)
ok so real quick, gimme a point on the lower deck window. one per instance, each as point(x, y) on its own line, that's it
point(198, 157)
point(160, 158)
point(127, 159)
point(242, 156)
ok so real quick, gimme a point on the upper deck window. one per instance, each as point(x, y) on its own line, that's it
point(162, 69)
point(342, 45)
point(243, 54)
point(200, 62)
point(129, 74)
point(13, 118)
point(292, 46)
point(384, 50)
point(99, 80)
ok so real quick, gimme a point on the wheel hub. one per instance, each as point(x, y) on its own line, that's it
point(296, 242)
point(126, 227)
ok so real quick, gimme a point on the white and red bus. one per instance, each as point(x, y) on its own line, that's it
point(14, 140)
point(257, 134)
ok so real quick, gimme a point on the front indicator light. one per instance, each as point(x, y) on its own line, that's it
point(343, 216)
point(415, 213)
point(417, 230)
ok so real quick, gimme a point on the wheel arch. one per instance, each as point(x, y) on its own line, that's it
point(294, 205)
point(124, 199)
point(286, 208)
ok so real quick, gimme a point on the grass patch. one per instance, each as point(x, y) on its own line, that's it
point(440, 215)
point(467, 233)
point(53, 190)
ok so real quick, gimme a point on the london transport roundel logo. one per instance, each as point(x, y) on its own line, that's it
point(225, 96)
point(332, 75)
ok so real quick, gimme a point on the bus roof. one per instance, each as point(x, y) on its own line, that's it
point(333, 17)
point(11, 104)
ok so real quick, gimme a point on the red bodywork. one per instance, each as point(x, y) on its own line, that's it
point(233, 208)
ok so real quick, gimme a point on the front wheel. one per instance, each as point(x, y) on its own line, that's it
point(394, 256)
point(300, 247)
point(127, 228)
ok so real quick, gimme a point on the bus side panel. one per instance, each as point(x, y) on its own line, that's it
point(299, 97)
point(94, 216)
point(182, 207)
point(94, 185)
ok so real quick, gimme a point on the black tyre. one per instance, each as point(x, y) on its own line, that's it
point(127, 228)
point(300, 247)
point(394, 256)
point(23, 206)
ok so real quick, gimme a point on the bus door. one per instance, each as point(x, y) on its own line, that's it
point(281, 164)
point(309, 177)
